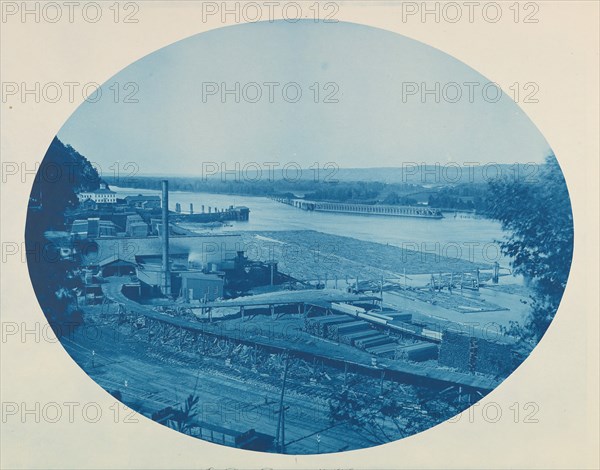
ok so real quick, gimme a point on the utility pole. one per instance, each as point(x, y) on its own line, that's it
point(381, 294)
point(280, 434)
point(165, 272)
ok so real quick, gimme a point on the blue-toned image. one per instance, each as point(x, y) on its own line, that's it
point(299, 238)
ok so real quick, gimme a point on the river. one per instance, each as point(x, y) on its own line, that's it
point(464, 236)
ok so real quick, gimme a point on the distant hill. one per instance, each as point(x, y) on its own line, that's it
point(443, 174)
point(407, 173)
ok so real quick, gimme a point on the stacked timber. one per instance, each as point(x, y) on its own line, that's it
point(431, 334)
point(493, 358)
point(456, 350)
point(397, 316)
point(378, 340)
point(318, 325)
point(474, 354)
point(419, 352)
point(385, 350)
point(406, 327)
point(337, 331)
point(380, 315)
point(352, 337)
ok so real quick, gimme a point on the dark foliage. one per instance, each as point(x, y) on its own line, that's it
point(461, 197)
point(538, 217)
point(62, 172)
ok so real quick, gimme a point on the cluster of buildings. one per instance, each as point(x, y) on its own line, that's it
point(101, 214)
point(199, 268)
point(120, 237)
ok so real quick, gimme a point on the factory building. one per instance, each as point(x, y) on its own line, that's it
point(151, 273)
point(200, 286)
point(103, 195)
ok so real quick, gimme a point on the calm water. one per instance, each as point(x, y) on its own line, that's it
point(463, 237)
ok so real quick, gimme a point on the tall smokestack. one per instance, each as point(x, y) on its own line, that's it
point(166, 275)
point(191, 208)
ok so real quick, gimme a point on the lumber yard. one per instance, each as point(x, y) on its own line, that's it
point(267, 352)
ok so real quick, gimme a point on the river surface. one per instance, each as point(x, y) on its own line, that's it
point(464, 236)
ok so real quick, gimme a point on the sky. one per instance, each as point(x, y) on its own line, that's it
point(377, 115)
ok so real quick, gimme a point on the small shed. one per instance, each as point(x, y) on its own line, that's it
point(115, 266)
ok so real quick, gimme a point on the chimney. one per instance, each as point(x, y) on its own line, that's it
point(178, 208)
point(203, 208)
point(191, 208)
point(166, 275)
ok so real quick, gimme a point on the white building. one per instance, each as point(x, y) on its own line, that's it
point(102, 195)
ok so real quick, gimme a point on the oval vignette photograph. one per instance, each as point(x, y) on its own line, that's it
point(299, 238)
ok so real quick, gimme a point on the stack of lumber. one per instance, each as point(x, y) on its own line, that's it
point(494, 358)
point(397, 316)
point(352, 337)
point(455, 350)
point(377, 340)
point(318, 326)
point(337, 331)
point(423, 351)
point(385, 350)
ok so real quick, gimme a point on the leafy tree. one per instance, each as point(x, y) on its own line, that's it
point(392, 198)
point(538, 218)
point(185, 416)
point(62, 173)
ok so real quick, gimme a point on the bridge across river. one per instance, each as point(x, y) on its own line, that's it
point(364, 209)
